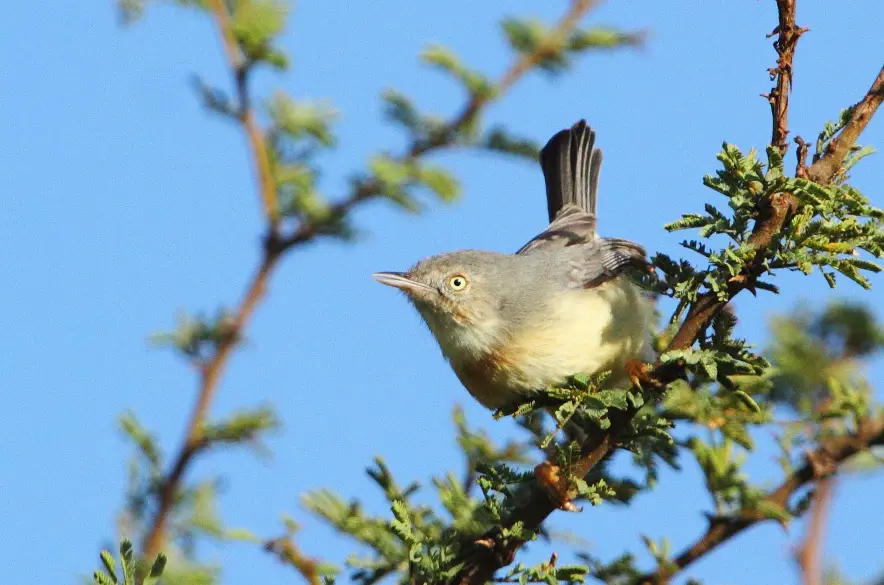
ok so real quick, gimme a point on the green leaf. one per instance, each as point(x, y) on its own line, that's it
point(747, 400)
point(600, 37)
point(302, 119)
point(439, 181)
point(402, 524)
point(107, 560)
point(475, 83)
point(500, 140)
point(126, 556)
point(772, 511)
point(158, 566)
point(255, 23)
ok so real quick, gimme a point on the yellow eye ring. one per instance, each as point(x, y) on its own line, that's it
point(458, 282)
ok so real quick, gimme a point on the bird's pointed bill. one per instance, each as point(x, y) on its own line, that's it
point(402, 282)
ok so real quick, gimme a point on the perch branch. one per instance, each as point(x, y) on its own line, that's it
point(819, 464)
point(774, 211)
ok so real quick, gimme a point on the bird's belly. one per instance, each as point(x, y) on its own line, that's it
point(587, 331)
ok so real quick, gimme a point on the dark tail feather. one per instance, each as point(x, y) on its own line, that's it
point(571, 168)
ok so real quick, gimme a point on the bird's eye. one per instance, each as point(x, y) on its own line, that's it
point(458, 282)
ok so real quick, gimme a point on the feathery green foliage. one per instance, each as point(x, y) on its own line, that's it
point(132, 571)
point(707, 416)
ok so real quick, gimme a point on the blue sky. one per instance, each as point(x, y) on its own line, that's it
point(125, 203)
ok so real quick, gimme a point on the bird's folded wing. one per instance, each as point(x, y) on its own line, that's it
point(604, 259)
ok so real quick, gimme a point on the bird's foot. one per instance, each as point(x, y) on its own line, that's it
point(639, 373)
point(550, 477)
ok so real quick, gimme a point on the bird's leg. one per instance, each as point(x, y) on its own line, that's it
point(639, 373)
point(555, 483)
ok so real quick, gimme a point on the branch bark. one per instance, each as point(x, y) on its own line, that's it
point(810, 555)
point(257, 144)
point(819, 464)
point(827, 166)
point(210, 376)
point(787, 33)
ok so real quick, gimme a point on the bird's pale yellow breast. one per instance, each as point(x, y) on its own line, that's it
point(586, 331)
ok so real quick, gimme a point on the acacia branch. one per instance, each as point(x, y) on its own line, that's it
point(288, 553)
point(211, 373)
point(809, 555)
point(276, 244)
point(820, 463)
point(773, 213)
point(827, 166)
point(787, 33)
point(246, 115)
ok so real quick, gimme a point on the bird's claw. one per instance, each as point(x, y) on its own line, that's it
point(638, 373)
point(549, 476)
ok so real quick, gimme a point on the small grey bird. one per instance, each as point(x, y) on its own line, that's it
point(512, 325)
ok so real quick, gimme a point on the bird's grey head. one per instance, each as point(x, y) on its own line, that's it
point(458, 294)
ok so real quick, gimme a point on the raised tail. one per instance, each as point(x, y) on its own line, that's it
point(571, 167)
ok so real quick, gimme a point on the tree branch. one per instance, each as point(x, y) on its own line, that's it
point(246, 115)
point(809, 556)
point(788, 34)
point(820, 463)
point(288, 553)
point(827, 166)
point(211, 374)
point(277, 244)
point(773, 213)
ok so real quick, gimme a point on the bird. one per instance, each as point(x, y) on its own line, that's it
point(565, 303)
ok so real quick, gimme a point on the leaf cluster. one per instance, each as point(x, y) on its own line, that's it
point(133, 571)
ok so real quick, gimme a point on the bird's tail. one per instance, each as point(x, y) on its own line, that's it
point(571, 168)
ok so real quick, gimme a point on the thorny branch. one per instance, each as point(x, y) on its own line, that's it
point(276, 243)
point(773, 213)
point(787, 33)
point(819, 465)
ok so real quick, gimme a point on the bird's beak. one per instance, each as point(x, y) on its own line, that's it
point(402, 282)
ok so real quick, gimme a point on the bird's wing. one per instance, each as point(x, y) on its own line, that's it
point(571, 166)
point(603, 259)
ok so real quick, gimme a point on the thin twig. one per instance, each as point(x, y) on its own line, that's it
point(820, 463)
point(258, 147)
point(285, 549)
point(211, 374)
point(810, 554)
